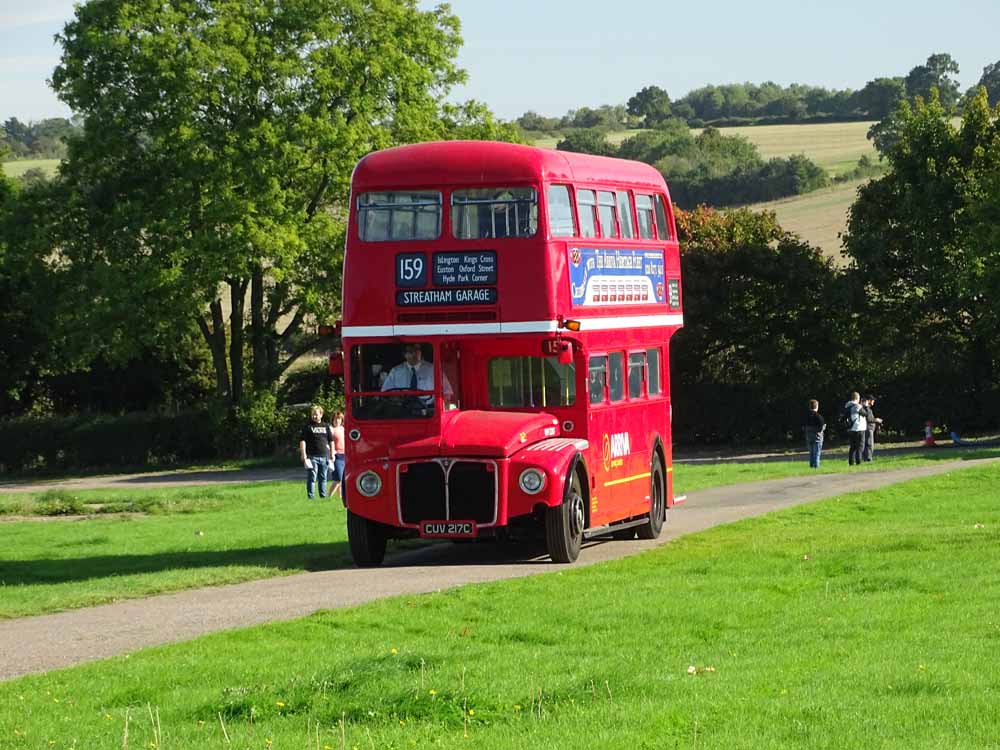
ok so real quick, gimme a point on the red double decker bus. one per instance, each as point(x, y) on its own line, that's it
point(507, 313)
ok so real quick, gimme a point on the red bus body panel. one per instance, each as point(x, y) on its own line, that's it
point(616, 441)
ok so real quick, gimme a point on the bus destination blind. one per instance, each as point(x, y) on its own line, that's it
point(459, 278)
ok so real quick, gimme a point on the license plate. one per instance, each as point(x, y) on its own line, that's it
point(448, 529)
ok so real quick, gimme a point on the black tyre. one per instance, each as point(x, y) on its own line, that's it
point(367, 540)
point(564, 524)
point(657, 501)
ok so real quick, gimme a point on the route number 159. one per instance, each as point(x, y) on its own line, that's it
point(411, 269)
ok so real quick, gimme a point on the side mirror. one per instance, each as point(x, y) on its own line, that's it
point(335, 366)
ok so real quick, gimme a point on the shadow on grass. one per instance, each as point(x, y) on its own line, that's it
point(307, 557)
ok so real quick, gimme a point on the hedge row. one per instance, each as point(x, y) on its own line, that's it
point(95, 441)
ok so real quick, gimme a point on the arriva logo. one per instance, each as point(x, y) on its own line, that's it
point(615, 447)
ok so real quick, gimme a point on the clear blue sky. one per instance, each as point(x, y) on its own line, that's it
point(554, 55)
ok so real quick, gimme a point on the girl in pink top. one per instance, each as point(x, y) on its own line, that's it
point(338, 451)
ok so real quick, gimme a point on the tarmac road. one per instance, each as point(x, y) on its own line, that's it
point(37, 644)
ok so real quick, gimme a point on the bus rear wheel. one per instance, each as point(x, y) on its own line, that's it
point(657, 502)
point(564, 524)
point(367, 540)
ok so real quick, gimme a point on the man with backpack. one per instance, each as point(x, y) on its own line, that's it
point(857, 426)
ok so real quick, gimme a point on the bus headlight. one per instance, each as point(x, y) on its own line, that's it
point(369, 484)
point(531, 481)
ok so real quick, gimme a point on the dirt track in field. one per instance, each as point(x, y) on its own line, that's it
point(37, 644)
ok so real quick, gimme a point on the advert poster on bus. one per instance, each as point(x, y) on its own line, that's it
point(607, 276)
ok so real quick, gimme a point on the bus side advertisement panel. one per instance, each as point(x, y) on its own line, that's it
point(615, 276)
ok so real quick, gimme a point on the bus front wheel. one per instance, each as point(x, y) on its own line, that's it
point(657, 502)
point(564, 524)
point(367, 540)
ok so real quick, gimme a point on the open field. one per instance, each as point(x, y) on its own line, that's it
point(819, 217)
point(862, 621)
point(18, 168)
point(615, 137)
point(137, 543)
point(834, 146)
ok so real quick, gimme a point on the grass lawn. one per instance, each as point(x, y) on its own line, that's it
point(137, 543)
point(868, 620)
point(166, 540)
point(691, 477)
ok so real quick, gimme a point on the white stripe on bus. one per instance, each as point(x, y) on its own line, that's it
point(530, 326)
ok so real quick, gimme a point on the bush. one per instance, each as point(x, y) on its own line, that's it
point(58, 444)
point(59, 503)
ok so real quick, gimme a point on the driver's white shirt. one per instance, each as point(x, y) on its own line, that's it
point(401, 375)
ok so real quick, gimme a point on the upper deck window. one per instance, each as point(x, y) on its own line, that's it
point(662, 228)
point(561, 220)
point(401, 215)
point(606, 212)
point(482, 213)
point(625, 214)
point(644, 210)
point(586, 201)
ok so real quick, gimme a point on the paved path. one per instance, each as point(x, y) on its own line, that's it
point(195, 477)
point(37, 644)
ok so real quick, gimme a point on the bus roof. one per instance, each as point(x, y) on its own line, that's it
point(478, 162)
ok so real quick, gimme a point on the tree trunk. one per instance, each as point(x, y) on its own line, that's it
point(215, 337)
point(237, 295)
point(259, 335)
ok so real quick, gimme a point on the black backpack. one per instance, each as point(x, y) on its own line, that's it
point(846, 420)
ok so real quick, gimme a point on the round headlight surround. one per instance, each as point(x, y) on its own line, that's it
point(531, 481)
point(369, 483)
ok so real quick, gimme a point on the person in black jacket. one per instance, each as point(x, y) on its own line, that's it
point(814, 427)
point(868, 446)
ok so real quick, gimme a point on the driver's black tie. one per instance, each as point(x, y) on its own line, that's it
point(413, 379)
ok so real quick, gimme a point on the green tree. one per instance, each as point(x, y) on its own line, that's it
point(586, 141)
point(990, 80)
point(672, 136)
point(765, 333)
point(937, 73)
point(211, 178)
point(651, 104)
point(924, 239)
point(881, 96)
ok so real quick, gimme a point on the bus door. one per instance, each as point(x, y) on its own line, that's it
point(606, 438)
point(640, 421)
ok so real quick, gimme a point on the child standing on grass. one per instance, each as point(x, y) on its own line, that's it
point(814, 426)
point(338, 452)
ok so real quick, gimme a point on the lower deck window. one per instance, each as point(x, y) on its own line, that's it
point(531, 382)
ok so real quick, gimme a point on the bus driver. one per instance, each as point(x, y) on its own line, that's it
point(414, 374)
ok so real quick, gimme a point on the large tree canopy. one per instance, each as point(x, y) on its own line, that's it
point(925, 239)
point(767, 328)
point(937, 73)
point(211, 176)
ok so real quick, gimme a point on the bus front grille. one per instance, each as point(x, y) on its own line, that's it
point(421, 492)
point(447, 489)
point(472, 494)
